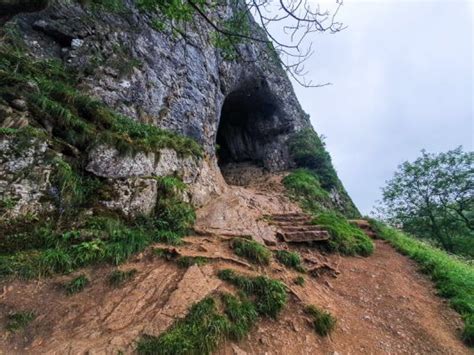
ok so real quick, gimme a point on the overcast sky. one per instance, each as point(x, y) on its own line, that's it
point(402, 75)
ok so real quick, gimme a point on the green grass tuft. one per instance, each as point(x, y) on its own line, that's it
point(299, 280)
point(118, 277)
point(453, 278)
point(269, 295)
point(198, 333)
point(251, 250)
point(18, 321)
point(345, 238)
point(290, 259)
point(76, 285)
point(323, 322)
point(242, 315)
point(187, 261)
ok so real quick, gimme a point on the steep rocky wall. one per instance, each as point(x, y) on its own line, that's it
point(180, 84)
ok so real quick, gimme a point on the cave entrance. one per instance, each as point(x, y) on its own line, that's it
point(244, 132)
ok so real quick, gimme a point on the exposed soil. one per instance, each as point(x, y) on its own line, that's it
point(382, 303)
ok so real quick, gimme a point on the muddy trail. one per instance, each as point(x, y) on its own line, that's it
point(382, 303)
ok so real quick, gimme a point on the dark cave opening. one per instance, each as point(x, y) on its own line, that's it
point(245, 127)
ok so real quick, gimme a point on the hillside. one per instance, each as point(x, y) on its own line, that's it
point(159, 194)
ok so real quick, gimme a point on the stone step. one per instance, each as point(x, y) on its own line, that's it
point(303, 237)
point(294, 219)
point(301, 228)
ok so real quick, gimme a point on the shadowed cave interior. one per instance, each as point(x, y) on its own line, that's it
point(247, 124)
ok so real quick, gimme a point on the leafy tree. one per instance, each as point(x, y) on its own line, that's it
point(433, 197)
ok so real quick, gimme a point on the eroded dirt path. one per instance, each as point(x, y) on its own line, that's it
point(382, 303)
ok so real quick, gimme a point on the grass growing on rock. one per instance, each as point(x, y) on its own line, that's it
point(251, 250)
point(345, 238)
point(204, 328)
point(119, 277)
point(62, 248)
point(76, 285)
point(50, 91)
point(299, 280)
point(453, 278)
point(187, 261)
point(323, 322)
point(269, 295)
point(290, 259)
point(18, 321)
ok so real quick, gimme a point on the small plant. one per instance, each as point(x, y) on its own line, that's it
point(118, 277)
point(323, 322)
point(76, 285)
point(198, 333)
point(18, 321)
point(290, 259)
point(269, 295)
point(187, 261)
point(241, 313)
point(300, 280)
point(251, 250)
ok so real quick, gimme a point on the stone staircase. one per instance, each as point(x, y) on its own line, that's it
point(297, 228)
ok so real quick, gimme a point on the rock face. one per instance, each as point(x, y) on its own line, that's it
point(178, 85)
point(242, 111)
point(25, 170)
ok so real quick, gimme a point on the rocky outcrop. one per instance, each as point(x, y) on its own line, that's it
point(25, 169)
point(240, 111)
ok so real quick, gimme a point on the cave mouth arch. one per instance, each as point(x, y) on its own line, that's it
point(246, 128)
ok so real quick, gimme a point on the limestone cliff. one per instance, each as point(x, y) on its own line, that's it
point(244, 112)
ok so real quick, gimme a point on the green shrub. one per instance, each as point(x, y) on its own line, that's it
point(323, 322)
point(76, 285)
point(290, 259)
point(453, 278)
point(308, 151)
point(251, 250)
point(269, 295)
point(118, 277)
point(18, 321)
point(299, 280)
point(345, 238)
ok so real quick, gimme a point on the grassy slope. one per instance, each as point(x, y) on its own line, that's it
point(304, 186)
point(454, 278)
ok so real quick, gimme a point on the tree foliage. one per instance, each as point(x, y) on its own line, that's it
point(433, 197)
